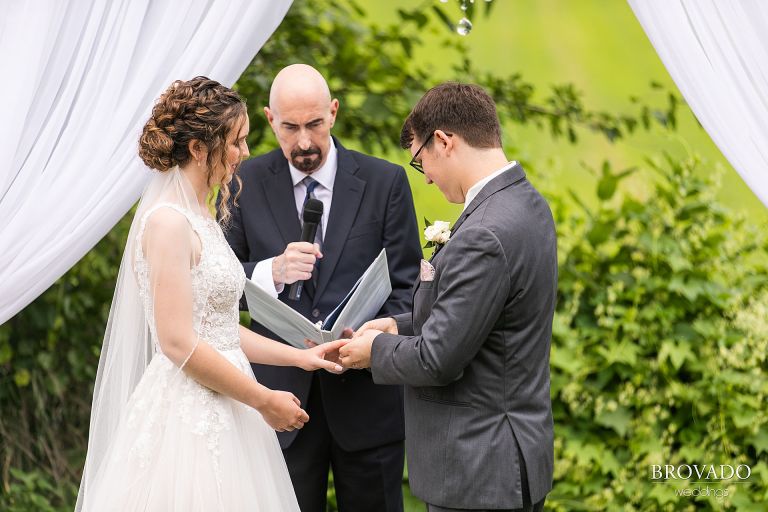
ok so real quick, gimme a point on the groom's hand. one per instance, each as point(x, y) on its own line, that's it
point(296, 263)
point(357, 353)
point(387, 325)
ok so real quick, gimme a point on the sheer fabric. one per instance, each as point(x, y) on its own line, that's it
point(717, 53)
point(83, 75)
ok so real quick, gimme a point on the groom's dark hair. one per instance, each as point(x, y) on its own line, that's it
point(464, 109)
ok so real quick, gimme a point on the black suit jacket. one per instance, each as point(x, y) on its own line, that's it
point(372, 208)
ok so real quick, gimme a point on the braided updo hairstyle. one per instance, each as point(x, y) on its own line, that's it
point(201, 109)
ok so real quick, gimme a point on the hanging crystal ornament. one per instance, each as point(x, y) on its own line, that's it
point(464, 27)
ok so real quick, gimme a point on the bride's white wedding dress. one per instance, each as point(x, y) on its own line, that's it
point(179, 446)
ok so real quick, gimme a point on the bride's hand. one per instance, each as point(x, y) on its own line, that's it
point(324, 356)
point(282, 411)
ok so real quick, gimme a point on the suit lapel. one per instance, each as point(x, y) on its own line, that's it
point(504, 180)
point(278, 189)
point(347, 195)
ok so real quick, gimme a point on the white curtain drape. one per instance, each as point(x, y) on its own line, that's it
point(79, 81)
point(717, 53)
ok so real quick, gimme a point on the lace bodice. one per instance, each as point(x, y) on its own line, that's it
point(217, 283)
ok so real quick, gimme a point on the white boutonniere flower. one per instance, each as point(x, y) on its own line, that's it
point(436, 233)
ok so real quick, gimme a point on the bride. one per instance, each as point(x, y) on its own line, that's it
point(179, 422)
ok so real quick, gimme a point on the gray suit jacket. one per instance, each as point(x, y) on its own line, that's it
point(474, 354)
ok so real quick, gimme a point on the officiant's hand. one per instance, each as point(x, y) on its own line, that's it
point(325, 356)
point(296, 263)
point(282, 411)
point(357, 352)
point(333, 355)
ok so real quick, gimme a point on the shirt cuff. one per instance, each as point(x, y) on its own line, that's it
point(262, 277)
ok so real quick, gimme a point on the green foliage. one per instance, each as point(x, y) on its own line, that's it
point(367, 67)
point(48, 357)
point(34, 491)
point(372, 71)
point(659, 347)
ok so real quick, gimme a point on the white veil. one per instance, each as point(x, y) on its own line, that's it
point(128, 344)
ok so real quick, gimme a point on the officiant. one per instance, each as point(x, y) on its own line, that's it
point(355, 427)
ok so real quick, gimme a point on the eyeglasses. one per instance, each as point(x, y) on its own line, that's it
point(417, 165)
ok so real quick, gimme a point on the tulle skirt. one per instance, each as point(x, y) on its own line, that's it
point(181, 447)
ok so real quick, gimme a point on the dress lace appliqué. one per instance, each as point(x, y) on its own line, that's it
point(179, 446)
point(217, 285)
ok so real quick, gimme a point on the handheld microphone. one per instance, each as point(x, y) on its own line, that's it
point(312, 213)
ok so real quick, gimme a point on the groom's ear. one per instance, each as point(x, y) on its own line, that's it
point(444, 142)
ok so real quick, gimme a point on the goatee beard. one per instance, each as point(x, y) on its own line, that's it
point(302, 159)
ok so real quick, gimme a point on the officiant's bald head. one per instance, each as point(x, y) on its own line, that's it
point(301, 113)
point(298, 81)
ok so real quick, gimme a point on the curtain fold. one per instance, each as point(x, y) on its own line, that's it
point(80, 79)
point(717, 53)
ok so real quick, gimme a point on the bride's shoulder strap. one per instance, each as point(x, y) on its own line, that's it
point(165, 216)
point(191, 219)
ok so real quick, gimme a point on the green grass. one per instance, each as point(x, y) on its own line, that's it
point(412, 504)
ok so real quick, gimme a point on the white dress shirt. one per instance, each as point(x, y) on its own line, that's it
point(325, 177)
point(477, 187)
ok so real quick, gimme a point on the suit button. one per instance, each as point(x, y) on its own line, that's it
point(315, 313)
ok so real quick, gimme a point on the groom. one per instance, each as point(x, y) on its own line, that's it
point(474, 352)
